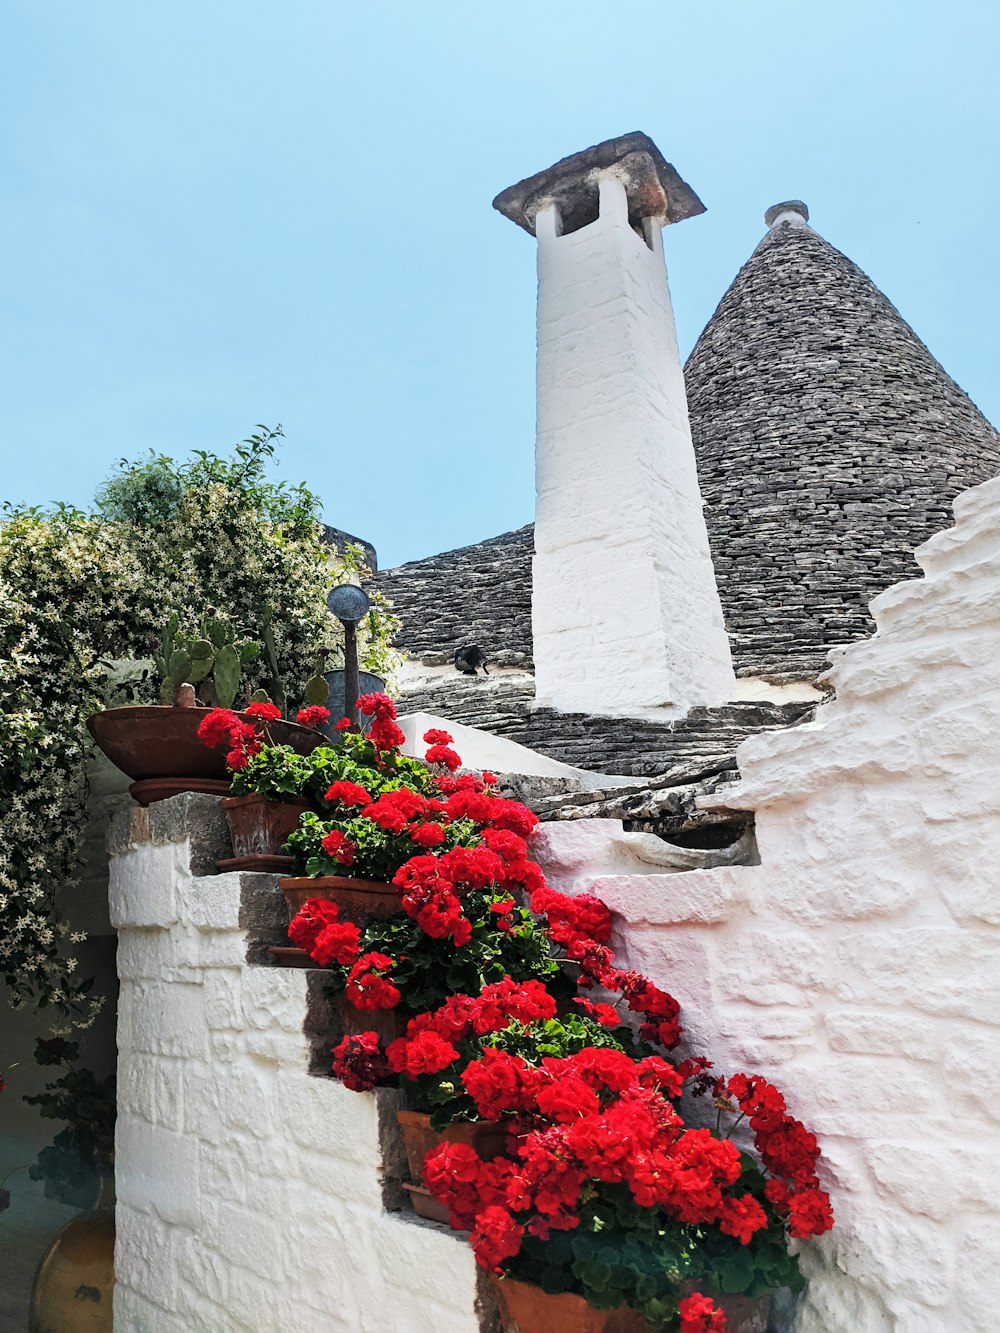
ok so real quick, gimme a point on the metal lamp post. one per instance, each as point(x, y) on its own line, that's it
point(350, 604)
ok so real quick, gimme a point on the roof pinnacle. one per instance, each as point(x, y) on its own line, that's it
point(792, 211)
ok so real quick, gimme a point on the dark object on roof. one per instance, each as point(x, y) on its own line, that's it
point(654, 187)
point(830, 443)
point(468, 660)
point(477, 594)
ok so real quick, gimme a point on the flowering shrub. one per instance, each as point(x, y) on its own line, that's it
point(81, 588)
point(603, 1186)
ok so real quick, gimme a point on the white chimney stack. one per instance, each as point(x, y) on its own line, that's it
point(625, 611)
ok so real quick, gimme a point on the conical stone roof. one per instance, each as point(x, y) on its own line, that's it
point(830, 443)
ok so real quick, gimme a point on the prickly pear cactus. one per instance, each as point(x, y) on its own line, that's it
point(317, 691)
point(226, 675)
point(202, 660)
point(177, 666)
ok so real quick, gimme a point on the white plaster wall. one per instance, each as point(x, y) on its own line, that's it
point(249, 1191)
point(626, 616)
point(859, 965)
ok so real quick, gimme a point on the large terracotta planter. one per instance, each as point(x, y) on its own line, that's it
point(488, 1139)
point(159, 748)
point(359, 900)
point(525, 1308)
point(259, 829)
point(75, 1279)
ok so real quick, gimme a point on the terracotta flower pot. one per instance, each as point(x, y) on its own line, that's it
point(419, 1139)
point(359, 900)
point(159, 748)
point(486, 1136)
point(259, 829)
point(525, 1308)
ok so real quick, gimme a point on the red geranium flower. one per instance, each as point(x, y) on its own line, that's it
point(359, 1062)
point(339, 846)
point(347, 793)
point(266, 711)
point(217, 727)
point(367, 987)
point(700, 1315)
point(313, 716)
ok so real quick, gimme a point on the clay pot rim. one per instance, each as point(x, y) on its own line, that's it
point(337, 882)
point(247, 798)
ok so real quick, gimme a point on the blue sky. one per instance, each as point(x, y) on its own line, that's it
point(221, 212)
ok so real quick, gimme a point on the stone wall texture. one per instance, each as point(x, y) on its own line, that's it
point(251, 1193)
point(856, 966)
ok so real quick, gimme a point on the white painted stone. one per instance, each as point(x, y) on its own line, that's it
point(168, 1184)
point(141, 885)
point(249, 1192)
point(856, 966)
point(626, 618)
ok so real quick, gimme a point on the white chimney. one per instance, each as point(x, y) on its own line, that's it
point(625, 611)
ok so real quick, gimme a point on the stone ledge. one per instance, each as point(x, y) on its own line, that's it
point(191, 817)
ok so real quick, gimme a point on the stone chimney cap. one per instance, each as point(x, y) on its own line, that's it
point(654, 188)
point(778, 212)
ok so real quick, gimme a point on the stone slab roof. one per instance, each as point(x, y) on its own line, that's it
point(705, 740)
point(830, 443)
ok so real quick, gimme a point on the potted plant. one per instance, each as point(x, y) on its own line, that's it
point(382, 810)
point(77, 1168)
point(588, 1194)
point(269, 782)
point(158, 745)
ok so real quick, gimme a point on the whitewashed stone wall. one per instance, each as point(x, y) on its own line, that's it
point(858, 965)
point(251, 1193)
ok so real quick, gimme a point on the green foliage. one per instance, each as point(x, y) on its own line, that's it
point(624, 1254)
point(70, 1164)
point(276, 772)
point(428, 970)
point(152, 492)
point(79, 591)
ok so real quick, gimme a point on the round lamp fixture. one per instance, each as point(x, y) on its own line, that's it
point(349, 603)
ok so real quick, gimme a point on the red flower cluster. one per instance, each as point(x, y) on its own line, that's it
point(597, 1121)
point(367, 986)
point(326, 939)
point(347, 793)
point(264, 711)
point(222, 727)
point(339, 846)
point(699, 1315)
point(394, 809)
point(383, 733)
point(312, 716)
point(425, 1053)
point(360, 1064)
point(431, 888)
point(788, 1151)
